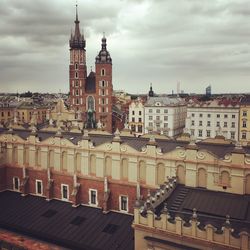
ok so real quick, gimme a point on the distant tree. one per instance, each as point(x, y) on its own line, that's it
point(26, 94)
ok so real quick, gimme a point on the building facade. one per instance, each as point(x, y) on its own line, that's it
point(165, 115)
point(208, 119)
point(136, 117)
point(90, 94)
point(244, 120)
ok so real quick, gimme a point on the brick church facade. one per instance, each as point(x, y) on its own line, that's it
point(90, 94)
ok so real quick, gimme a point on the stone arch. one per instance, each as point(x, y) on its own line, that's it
point(225, 178)
point(160, 174)
point(64, 160)
point(142, 171)
point(202, 178)
point(78, 162)
point(108, 166)
point(124, 169)
point(92, 165)
point(247, 184)
point(51, 158)
point(181, 174)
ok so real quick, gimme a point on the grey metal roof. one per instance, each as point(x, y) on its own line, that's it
point(59, 223)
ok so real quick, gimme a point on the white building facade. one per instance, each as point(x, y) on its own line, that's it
point(136, 117)
point(206, 120)
point(165, 115)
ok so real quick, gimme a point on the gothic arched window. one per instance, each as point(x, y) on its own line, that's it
point(91, 103)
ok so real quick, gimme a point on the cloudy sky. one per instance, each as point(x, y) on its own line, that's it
point(194, 42)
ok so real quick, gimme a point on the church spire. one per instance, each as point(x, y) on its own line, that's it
point(77, 39)
point(104, 56)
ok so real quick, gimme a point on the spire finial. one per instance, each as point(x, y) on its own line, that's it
point(76, 12)
point(103, 34)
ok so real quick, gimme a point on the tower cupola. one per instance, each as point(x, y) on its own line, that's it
point(103, 56)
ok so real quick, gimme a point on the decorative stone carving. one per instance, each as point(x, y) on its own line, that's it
point(123, 148)
point(108, 147)
point(200, 155)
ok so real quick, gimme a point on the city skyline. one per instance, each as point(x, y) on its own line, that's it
point(196, 43)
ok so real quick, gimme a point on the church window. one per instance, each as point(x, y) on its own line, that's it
point(200, 133)
point(76, 83)
point(103, 92)
point(91, 103)
point(103, 83)
point(77, 101)
point(76, 66)
point(123, 203)
point(39, 187)
point(103, 72)
point(103, 109)
point(16, 183)
point(103, 101)
point(65, 192)
point(77, 92)
point(76, 74)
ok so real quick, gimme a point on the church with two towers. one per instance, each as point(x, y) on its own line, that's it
point(90, 93)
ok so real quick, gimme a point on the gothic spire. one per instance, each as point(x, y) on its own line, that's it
point(77, 39)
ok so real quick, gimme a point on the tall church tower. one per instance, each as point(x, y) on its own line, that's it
point(104, 87)
point(77, 68)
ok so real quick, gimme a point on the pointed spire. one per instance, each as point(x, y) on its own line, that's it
point(77, 39)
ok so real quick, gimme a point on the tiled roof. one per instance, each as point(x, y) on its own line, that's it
point(59, 223)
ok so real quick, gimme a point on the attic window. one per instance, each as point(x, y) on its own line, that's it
point(78, 220)
point(110, 228)
point(49, 213)
point(71, 138)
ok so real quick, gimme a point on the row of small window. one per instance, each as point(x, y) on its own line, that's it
point(102, 101)
point(93, 200)
point(139, 119)
point(3, 113)
point(139, 128)
point(158, 118)
point(217, 115)
point(133, 112)
point(208, 133)
point(217, 124)
point(158, 111)
point(165, 125)
point(76, 83)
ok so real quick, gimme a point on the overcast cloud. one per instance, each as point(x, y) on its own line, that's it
point(195, 42)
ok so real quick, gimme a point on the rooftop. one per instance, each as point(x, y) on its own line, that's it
point(59, 223)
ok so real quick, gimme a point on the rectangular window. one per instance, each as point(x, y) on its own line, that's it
point(208, 123)
point(65, 192)
point(200, 133)
point(150, 124)
point(16, 183)
point(157, 118)
point(192, 131)
point(244, 124)
point(208, 133)
point(150, 111)
point(233, 125)
point(165, 125)
point(165, 111)
point(133, 119)
point(124, 203)
point(208, 115)
point(158, 111)
point(139, 112)
point(192, 123)
point(39, 187)
point(165, 118)
point(225, 124)
point(139, 119)
point(233, 116)
point(232, 135)
point(244, 113)
point(200, 123)
point(133, 112)
point(217, 124)
point(225, 116)
point(93, 197)
point(218, 115)
point(150, 117)
point(201, 115)
point(193, 115)
point(244, 135)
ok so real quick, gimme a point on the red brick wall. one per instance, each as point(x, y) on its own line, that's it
point(116, 188)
